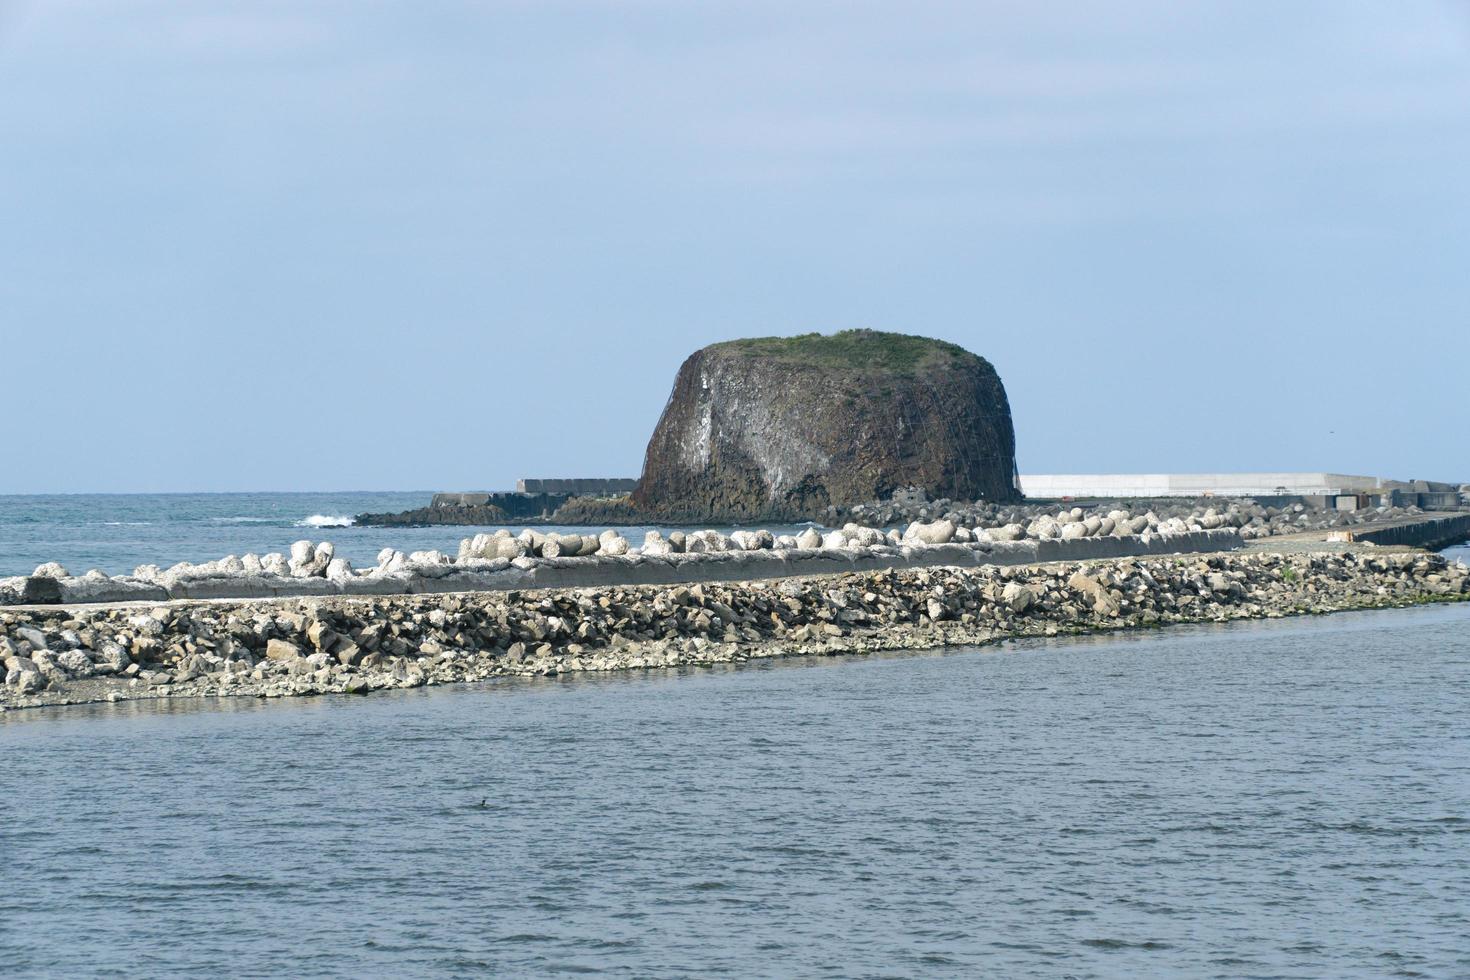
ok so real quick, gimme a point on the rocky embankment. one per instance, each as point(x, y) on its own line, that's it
point(501, 560)
point(468, 515)
point(531, 559)
point(1251, 518)
point(284, 647)
point(573, 511)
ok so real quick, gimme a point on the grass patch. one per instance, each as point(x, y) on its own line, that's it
point(854, 350)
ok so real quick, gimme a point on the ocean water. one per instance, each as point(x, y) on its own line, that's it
point(118, 532)
point(1274, 799)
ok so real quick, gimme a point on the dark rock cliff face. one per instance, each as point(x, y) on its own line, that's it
point(780, 428)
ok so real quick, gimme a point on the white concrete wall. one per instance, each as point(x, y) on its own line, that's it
point(1192, 484)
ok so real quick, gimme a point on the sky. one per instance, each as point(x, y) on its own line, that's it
point(371, 245)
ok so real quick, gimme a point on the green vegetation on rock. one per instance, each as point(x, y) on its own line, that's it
point(858, 350)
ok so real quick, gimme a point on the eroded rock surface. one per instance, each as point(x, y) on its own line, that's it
point(782, 428)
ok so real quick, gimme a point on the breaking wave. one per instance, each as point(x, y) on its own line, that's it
point(325, 520)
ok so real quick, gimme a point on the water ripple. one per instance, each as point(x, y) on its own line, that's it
point(1272, 799)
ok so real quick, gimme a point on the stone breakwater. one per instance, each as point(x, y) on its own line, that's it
point(307, 646)
point(1251, 518)
point(500, 561)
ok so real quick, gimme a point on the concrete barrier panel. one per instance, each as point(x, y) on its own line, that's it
point(1434, 532)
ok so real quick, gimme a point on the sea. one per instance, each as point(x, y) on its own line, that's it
point(118, 532)
point(1272, 799)
point(1285, 798)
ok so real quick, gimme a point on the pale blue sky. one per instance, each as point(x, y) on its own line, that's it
point(351, 245)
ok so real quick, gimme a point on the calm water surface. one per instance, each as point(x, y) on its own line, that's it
point(1287, 799)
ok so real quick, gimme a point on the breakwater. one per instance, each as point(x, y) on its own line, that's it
point(1428, 531)
point(302, 646)
point(500, 562)
point(533, 501)
point(471, 510)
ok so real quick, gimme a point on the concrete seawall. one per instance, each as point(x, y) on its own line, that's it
point(579, 487)
point(530, 498)
point(606, 570)
point(514, 504)
point(1426, 532)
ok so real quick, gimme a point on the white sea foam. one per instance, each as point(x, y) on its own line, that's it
point(325, 520)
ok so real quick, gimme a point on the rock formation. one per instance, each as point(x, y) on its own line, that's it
point(781, 428)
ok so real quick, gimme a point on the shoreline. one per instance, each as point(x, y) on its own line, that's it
point(313, 571)
point(499, 561)
point(323, 645)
